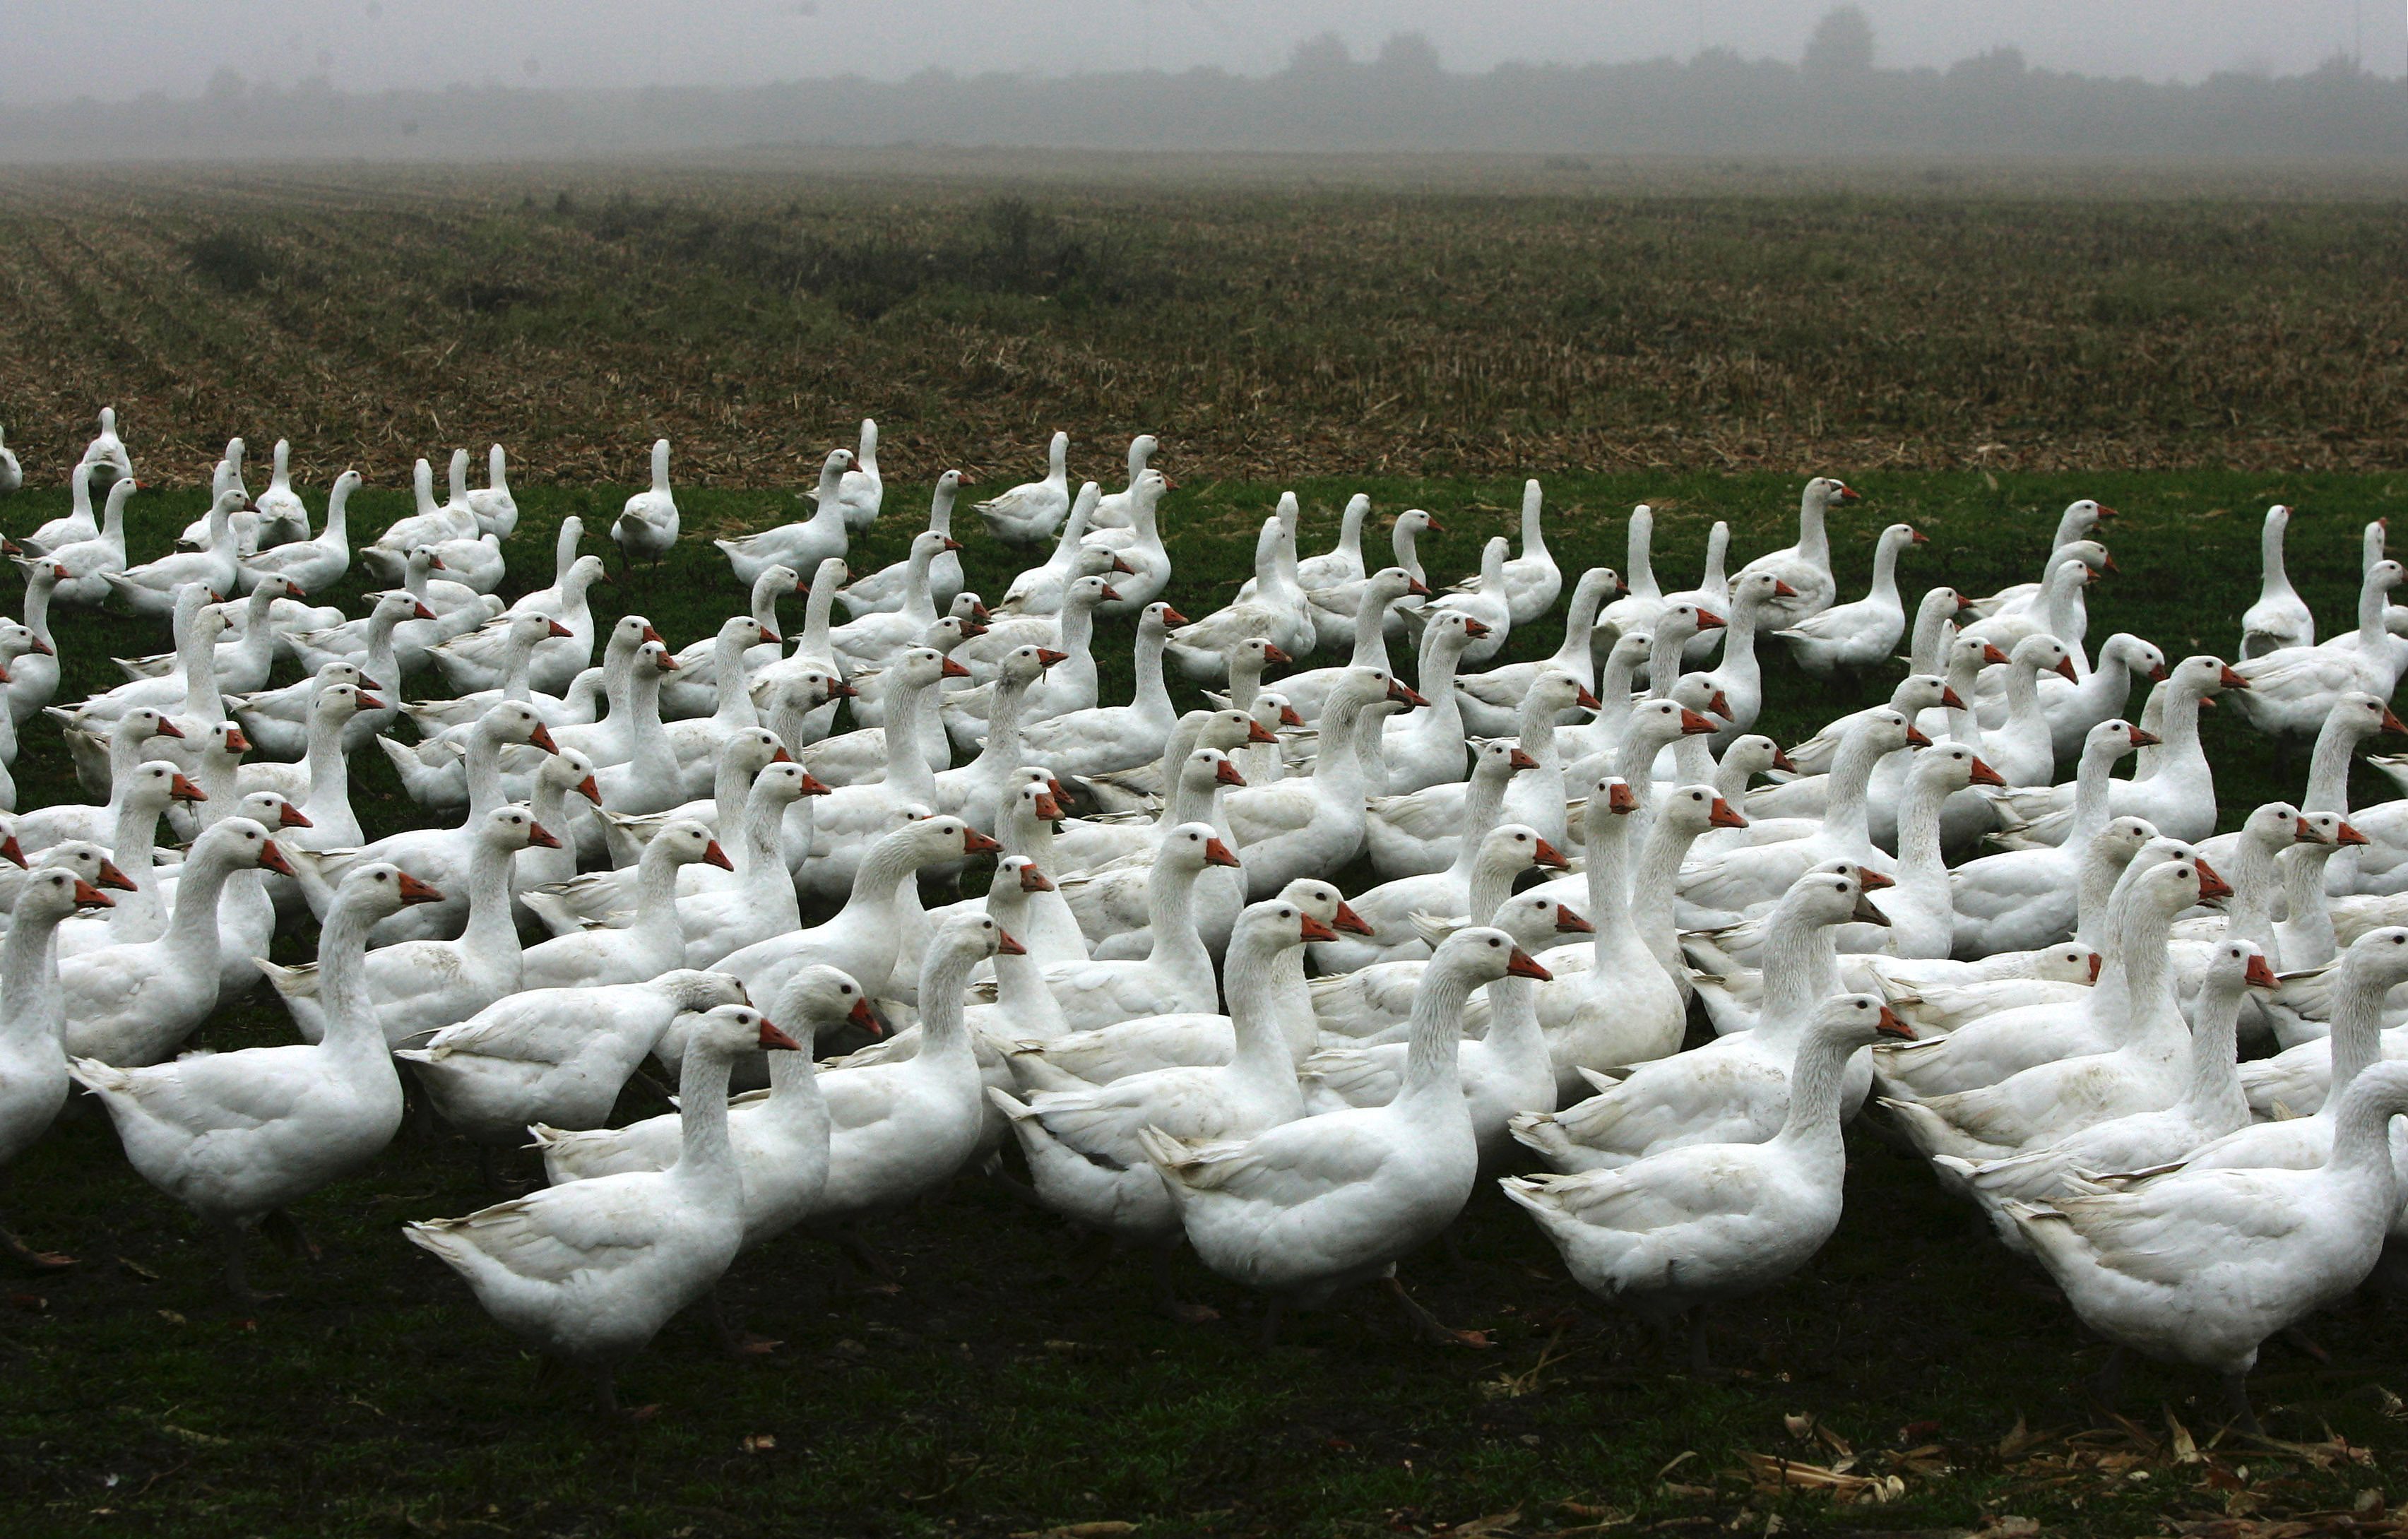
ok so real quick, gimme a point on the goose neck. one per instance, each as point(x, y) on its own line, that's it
point(1642, 570)
point(1574, 656)
point(943, 979)
point(342, 978)
point(1431, 1075)
point(1401, 541)
point(2328, 770)
point(1608, 875)
point(2214, 1086)
point(1852, 771)
point(191, 938)
point(1791, 951)
point(1263, 1055)
point(2307, 936)
point(1492, 879)
point(2091, 806)
point(1816, 1077)
point(656, 881)
point(735, 705)
point(1170, 913)
point(30, 1002)
point(2249, 912)
point(2361, 1145)
point(1370, 631)
point(705, 1151)
point(1921, 872)
point(492, 936)
point(1152, 696)
point(2372, 598)
point(1483, 799)
point(758, 861)
point(483, 766)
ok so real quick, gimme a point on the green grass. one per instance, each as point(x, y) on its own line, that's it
point(990, 1396)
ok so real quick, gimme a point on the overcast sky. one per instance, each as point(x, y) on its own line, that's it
point(110, 49)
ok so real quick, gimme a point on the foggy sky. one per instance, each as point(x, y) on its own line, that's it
point(112, 50)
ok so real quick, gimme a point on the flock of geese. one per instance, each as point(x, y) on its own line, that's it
point(2155, 1056)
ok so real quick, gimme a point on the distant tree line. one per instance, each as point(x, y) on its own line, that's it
point(1836, 101)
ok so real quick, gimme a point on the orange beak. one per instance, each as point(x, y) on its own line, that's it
point(1620, 799)
point(1520, 760)
point(1951, 699)
point(1033, 880)
point(591, 792)
point(860, 1016)
point(1227, 773)
point(1270, 653)
point(1586, 699)
point(1350, 921)
point(1007, 946)
point(182, 790)
point(1694, 725)
point(1984, 775)
point(2259, 976)
point(1288, 716)
point(1217, 854)
point(2349, 835)
point(1258, 733)
point(289, 816)
point(419, 611)
point(1313, 930)
point(1172, 617)
point(1546, 854)
point(1869, 881)
point(168, 729)
point(368, 702)
point(89, 896)
point(975, 843)
point(1570, 924)
point(235, 741)
point(1708, 619)
point(1782, 762)
point(1892, 1026)
point(950, 669)
point(2145, 739)
point(1914, 738)
point(541, 837)
point(650, 634)
point(1047, 657)
point(1782, 590)
point(1046, 807)
point(2229, 679)
point(1723, 817)
point(772, 1039)
point(541, 738)
point(1521, 966)
point(1991, 656)
point(2065, 667)
point(111, 876)
point(553, 628)
point(2210, 884)
point(272, 859)
point(713, 855)
point(1405, 693)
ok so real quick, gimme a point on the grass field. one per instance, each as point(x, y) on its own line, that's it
point(989, 1396)
point(1266, 318)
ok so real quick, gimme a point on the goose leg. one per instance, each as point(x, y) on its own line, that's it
point(857, 1251)
point(1166, 1297)
point(1428, 1325)
point(735, 1343)
point(35, 1260)
point(488, 1170)
point(2236, 1394)
point(1700, 1362)
point(289, 1236)
point(1268, 1340)
point(2108, 1388)
point(237, 1279)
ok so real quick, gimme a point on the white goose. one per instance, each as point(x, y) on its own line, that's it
point(149, 589)
point(647, 526)
point(1082, 1145)
point(780, 1136)
point(1138, 548)
point(88, 562)
point(1492, 700)
point(2023, 899)
point(1532, 579)
point(653, 942)
point(862, 491)
point(1177, 974)
point(2074, 527)
point(1304, 1208)
point(1027, 513)
point(2212, 1105)
point(588, 1272)
point(1336, 601)
point(1806, 567)
point(1277, 611)
point(135, 1003)
point(417, 988)
point(1855, 637)
point(33, 1069)
point(1735, 1090)
point(1343, 561)
point(1116, 511)
point(2280, 618)
point(554, 1056)
point(1689, 1227)
point(884, 591)
point(2290, 691)
point(239, 1136)
point(2201, 1265)
point(802, 545)
point(1487, 602)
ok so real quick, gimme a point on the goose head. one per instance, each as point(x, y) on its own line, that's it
point(819, 998)
point(570, 770)
point(2071, 963)
point(1823, 491)
point(1093, 587)
point(694, 988)
point(970, 936)
point(685, 841)
point(272, 811)
point(515, 721)
point(53, 892)
point(139, 725)
point(782, 783)
point(1822, 897)
point(2205, 678)
point(939, 839)
point(1208, 770)
point(1701, 695)
point(1950, 767)
point(832, 471)
point(2355, 715)
point(1485, 953)
point(339, 703)
point(1556, 691)
point(1325, 903)
point(1517, 847)
point(1856, 1020)
point(514, 828)
point(1755, 589)
point(1192, 847)
point(1277, 924)
point(155, 784)
point(731, 1031)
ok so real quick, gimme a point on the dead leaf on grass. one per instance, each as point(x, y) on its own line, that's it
point(1104, 1529)
point(1499, 1522)
point(1773, 1474)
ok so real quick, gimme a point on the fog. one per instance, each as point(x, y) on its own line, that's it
point(115, 49)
